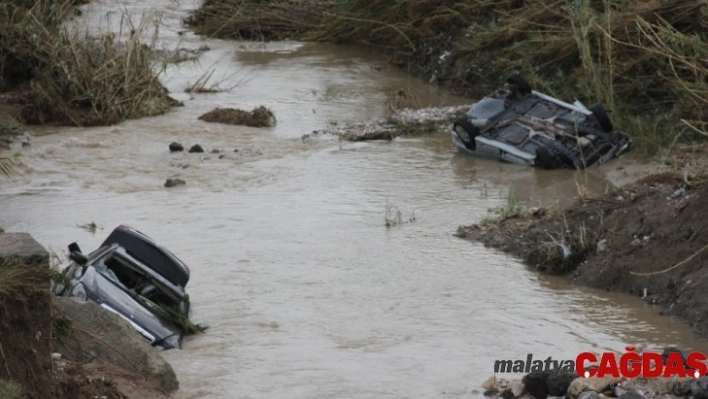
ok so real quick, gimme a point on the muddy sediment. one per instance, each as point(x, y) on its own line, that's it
point(647, 239)
point(258, 117)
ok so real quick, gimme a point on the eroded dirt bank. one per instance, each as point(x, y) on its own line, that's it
point(647, 238)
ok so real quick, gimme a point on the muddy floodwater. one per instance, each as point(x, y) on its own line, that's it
point(306, 292)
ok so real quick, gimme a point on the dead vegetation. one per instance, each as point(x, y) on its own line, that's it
point(645, 61)
point(258, 20)
point(394, 216)
point(647, 239)
point(65, 77)
point(25, 332)
point(258, 117)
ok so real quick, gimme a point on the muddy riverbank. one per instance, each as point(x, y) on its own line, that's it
point(647, 239)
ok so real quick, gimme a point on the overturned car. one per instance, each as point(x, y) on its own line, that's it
point(522, 126)
point(136, 278)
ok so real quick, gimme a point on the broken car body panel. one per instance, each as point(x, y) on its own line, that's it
point(525, 127)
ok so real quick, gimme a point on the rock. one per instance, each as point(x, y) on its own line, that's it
point(491, 392)
point(222, 156)
point(176, 147)
point(491, 383)
point(594, 384)
point(517, 388)
point(215, 151)
point(196, 148)
point(98, 333)
point(703, 382)
point(589, 395)
point(629, 395)
point(697, 390)
point(536, 384)
point(174, 182)
point(507, 394)
point(258, 117)
point(558, 383)
point(678, 387)
point(618, 391)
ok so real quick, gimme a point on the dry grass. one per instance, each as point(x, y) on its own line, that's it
point(21, 280)
point(646, 61)
point(258, 20)
point(566, 247)
point(68, 78)
point(10, 389)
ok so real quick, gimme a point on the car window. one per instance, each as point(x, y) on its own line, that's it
point(157, 257)
point(140, 283)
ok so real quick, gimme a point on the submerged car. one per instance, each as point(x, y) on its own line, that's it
point(119, 277)
point(145, 249)
point(522, 126)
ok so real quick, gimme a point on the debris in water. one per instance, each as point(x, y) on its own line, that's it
point(176, 147)
point(259, 117)
point(91, 227)
point(174, 182)
point(196, 148)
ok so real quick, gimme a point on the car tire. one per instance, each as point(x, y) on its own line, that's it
point(523, 86)
point(600, 113)
point(545, 159)
point(468, 129)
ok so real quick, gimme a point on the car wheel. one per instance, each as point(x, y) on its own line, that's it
point(466, 130)
point(600, 113)
point(523, 86)
point(545, 159)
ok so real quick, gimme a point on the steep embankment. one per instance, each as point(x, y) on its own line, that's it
point(648, 239)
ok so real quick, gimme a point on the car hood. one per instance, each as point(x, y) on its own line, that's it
point(152, 325)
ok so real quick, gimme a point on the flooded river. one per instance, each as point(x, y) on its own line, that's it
point(306, 291)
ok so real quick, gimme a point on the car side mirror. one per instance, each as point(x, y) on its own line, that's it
point(79, 258)
point(74, 247)
point(76, 255)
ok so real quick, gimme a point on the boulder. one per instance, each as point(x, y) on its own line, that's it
point(517, 388)
point(176, 147)
point(94, 332)
point(629, 395)
point(174, 182)
point(536, 384)
point(594, 384)
point(196, 148)
point(558, 383)
point(491, 383)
